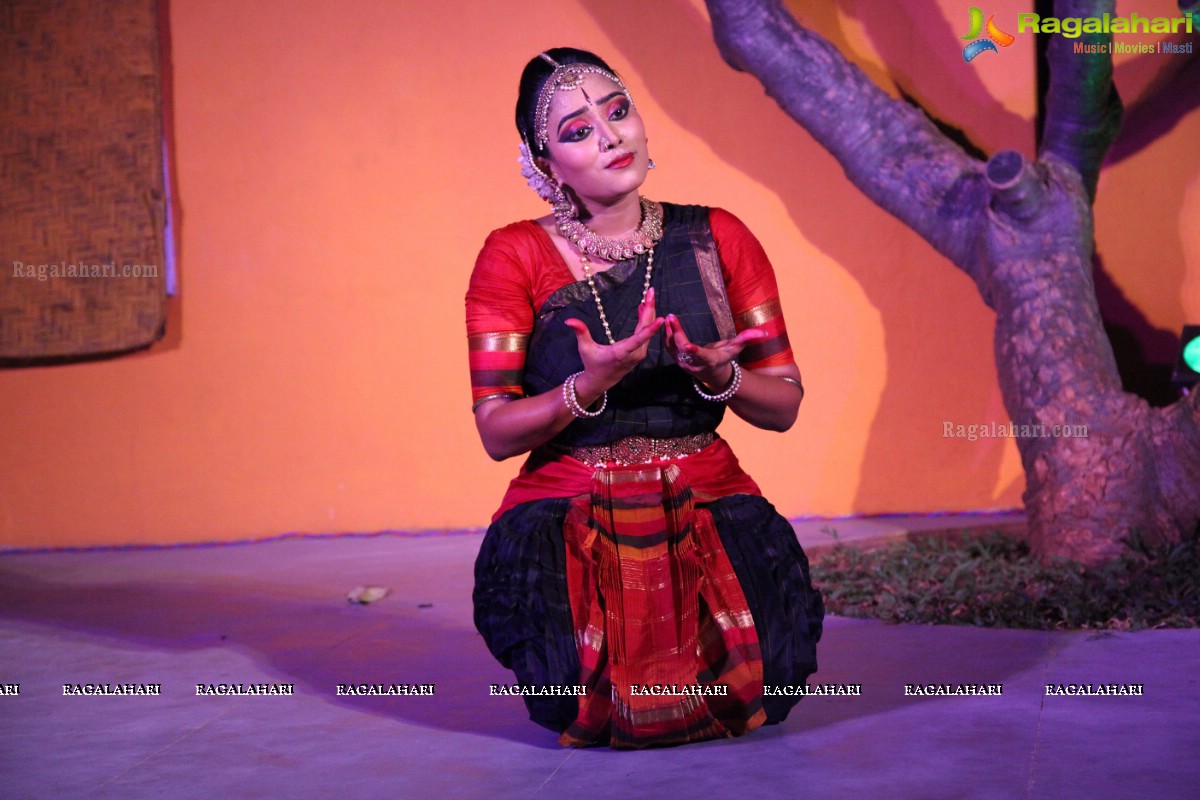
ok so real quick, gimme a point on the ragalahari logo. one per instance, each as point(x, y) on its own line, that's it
point(994, 37)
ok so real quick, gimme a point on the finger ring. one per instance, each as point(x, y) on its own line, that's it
point(684, 358)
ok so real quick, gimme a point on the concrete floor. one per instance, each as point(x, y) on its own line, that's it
point(276, 612)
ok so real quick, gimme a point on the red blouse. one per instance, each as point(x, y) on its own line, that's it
point(519, 268)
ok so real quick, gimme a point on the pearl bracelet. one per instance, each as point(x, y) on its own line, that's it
point(735, 383)
point(571, 399)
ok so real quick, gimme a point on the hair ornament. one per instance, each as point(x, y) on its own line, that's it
point(537, 179)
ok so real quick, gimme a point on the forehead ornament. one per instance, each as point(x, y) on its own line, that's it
point(565, 77)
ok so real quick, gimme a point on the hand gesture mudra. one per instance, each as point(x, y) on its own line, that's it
point(608, 363)
point(710, 364)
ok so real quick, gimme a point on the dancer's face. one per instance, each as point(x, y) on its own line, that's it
point(597, 142)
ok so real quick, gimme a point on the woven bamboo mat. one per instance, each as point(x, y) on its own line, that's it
point(82, 267)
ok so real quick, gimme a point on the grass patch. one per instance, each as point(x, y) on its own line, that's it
point(991, 580)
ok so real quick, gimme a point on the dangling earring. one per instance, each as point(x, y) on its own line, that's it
point(564, 208)
point(650, 164)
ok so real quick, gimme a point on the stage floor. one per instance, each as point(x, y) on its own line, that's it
point(275, 613)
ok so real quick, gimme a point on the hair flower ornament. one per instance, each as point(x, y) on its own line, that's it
point(538, 180)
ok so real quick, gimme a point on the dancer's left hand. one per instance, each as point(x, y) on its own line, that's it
point(710, 364)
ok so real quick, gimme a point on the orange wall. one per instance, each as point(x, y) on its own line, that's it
point(339, 165)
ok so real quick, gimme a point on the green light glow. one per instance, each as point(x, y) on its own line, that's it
point(1191, 354)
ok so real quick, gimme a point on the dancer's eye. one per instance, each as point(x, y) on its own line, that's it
point(575, 134)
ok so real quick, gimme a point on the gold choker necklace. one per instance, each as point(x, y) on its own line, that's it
point(590, 243)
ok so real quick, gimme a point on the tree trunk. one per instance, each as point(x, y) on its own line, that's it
point(1100, 464)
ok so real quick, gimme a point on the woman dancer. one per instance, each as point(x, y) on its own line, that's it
point(631, 556)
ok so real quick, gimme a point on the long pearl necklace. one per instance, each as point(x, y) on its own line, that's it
point(588, 242)
point(587, 273)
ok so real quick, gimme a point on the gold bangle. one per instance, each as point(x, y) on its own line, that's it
point(795, 382)
point(499, 396)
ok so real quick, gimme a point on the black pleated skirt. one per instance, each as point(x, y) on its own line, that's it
point(523, 611)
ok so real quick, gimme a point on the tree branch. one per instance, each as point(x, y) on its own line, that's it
point(889, 150)
point(1016, 191)
point(1083, 109)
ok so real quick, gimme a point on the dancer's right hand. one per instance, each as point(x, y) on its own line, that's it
point(605, 364)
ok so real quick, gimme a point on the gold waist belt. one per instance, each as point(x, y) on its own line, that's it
point(639, 449)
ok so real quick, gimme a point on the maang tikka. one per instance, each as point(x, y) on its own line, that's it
point(565, 76)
